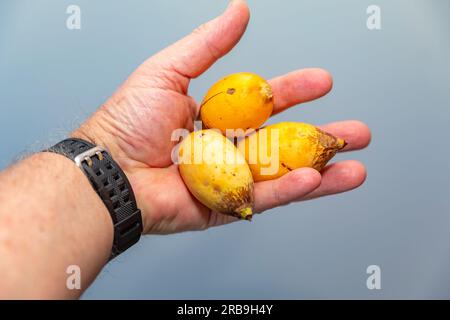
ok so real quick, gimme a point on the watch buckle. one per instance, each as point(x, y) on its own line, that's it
point(87, 156)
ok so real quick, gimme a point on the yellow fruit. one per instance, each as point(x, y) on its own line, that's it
point(239, 101)
point(216, 173)
point(277, 149)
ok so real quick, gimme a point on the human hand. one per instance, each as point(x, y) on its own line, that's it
point(137, 122)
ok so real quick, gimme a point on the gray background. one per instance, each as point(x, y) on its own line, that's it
point(397, 80)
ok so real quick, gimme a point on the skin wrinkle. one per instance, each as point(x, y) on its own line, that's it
point(211, 221)
point(120, 114)
point(169, 221)
point(133, 114)
point(173, 69)
point(181, 118)
point(163, 78)
point(276, 193)
point(202, 32)
point(160, 200)
point(129, 137)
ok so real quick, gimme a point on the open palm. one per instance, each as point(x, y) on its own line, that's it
point(137, 122)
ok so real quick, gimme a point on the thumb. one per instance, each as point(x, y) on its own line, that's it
point(195, 53)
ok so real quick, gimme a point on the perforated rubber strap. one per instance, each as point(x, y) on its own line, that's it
point(113, 187)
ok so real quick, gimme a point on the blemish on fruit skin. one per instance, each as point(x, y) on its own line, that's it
point(210, 98)
point(286, 166)
point(231, 90)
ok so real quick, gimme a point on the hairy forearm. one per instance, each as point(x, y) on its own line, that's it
point(50, 219)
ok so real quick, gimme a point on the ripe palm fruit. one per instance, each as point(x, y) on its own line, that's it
point(216, 173)
point(277, 149)
point(239, 101)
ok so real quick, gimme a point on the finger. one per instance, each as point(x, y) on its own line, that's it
point(355, 133)
point(299, 86)
point(339, 177)
point(290, 187)
point(192, 55)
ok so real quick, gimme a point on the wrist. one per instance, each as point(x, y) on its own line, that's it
point(98, 131)
point(111, 185)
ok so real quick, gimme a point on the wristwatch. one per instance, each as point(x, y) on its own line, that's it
point(111, 184)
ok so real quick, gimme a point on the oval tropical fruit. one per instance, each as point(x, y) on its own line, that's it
point(277, 149)
point(216, 173)
point(239, 101)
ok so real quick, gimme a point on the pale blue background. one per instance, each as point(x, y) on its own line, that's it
point(397, 80)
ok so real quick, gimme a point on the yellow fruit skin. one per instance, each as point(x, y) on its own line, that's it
point(239, 101)
point(299, 145)
point(222, 184)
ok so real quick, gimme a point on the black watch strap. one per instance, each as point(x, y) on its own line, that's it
point(111, 184)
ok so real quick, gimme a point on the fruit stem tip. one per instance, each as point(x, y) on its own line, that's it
point(246, 214)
